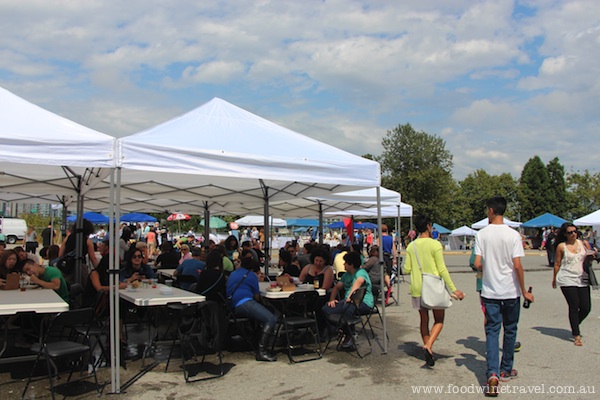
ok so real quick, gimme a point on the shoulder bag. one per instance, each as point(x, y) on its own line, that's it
point(434, 295)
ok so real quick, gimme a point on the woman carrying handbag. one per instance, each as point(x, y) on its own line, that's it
point(425, 256)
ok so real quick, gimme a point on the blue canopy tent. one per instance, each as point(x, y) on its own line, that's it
point(543, 221)
point(137, 217)
point(357, 225)
point(303, 222)
point(441, 229)
point(93, 217)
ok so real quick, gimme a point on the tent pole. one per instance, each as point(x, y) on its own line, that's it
point(206, 226)
point(381, 273)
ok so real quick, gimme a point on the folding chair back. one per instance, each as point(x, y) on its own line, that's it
point(58, 340)
point(299, 314)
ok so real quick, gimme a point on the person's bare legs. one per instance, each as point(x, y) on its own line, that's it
point(424, 314)
point(438, 324)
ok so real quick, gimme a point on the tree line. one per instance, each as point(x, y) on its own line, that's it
point(418, 165)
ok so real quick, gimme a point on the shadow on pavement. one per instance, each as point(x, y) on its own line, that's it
point(559, 333)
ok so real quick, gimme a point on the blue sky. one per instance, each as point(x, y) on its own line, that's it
point(500, 81)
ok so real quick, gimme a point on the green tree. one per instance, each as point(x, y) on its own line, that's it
point(534, 186)
point(557, 193)
point(583, 196)
point(479, 186)
point(417, 165)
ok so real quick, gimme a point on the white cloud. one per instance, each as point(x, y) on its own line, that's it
point(343, 71)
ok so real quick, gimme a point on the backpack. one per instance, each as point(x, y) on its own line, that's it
point(66, 264)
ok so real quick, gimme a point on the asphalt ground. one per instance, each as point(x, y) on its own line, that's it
point(549, 365)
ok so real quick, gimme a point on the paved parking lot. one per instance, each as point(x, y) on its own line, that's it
point(549, 364)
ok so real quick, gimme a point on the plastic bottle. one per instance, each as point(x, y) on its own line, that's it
point(527, 303)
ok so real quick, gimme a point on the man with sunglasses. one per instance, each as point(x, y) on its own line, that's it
point(498, 252)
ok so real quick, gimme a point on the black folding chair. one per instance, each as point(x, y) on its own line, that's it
point(346, 323)
point(58, 341)
point(374, 310)
point(201, 331)
point(299, 314)
point(239, 325)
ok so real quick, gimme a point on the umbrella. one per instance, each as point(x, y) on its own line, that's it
point(178, 217)
point(93, 217)
point(137, 217)
point(215, 222)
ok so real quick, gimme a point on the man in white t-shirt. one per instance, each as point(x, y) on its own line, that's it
point(503, 283)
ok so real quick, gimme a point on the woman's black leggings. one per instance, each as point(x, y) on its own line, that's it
point(580, 304)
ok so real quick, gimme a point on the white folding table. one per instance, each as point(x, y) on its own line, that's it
point(40, 301)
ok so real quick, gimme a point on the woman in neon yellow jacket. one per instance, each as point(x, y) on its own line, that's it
point(431, 257)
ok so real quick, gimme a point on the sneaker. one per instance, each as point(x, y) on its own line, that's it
point(517, 347)
point(506, 376)
point(491, 389)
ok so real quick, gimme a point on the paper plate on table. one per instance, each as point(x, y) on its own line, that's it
point(274, 289)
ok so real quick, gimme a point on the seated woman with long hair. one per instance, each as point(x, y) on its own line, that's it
point(212, 280)
point(245, 300)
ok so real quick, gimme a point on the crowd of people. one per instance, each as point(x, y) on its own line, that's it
point(230, 271)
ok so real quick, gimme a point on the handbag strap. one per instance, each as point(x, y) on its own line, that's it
point(215, 284)
point(238, 285)
point(418, 261)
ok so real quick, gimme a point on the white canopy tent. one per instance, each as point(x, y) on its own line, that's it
point(47, 157)
point(458, 238)
point(259, 220)
point(220, 158)
point(484, 222)
point(216, 158)
point(592, 219)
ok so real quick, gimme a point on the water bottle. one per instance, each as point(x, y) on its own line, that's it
point(527, 303)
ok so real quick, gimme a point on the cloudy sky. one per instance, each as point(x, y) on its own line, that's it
point(500, 81)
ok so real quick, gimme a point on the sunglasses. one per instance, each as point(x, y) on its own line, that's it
point(138, 256)
point(571, 232)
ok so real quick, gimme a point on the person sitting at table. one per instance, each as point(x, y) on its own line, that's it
point(98, 279)
point(247, 245)
point(48, 278)
point(143, 246)
point(87, 247)
point(372, 267)
point(191, 267)
point(244, 298)
point(135, 269)
point(290, 266)
point(231, 246)
point(8, 264)
point(212, 280)
point(23, 256)
point(227, 262)
point(185, 253)
point(168, 258)
point(354, 278)
point(318, 269)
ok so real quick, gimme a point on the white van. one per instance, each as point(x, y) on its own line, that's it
point(12, 229)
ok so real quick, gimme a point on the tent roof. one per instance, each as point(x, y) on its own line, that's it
point(484, 222)
point(302, 222)
point(221, 156)
point(406, 210)
point(35, 145)
point(544, 220)
point(259, 220)
point(463, 231)
point(592, 219)
point(442, 230)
